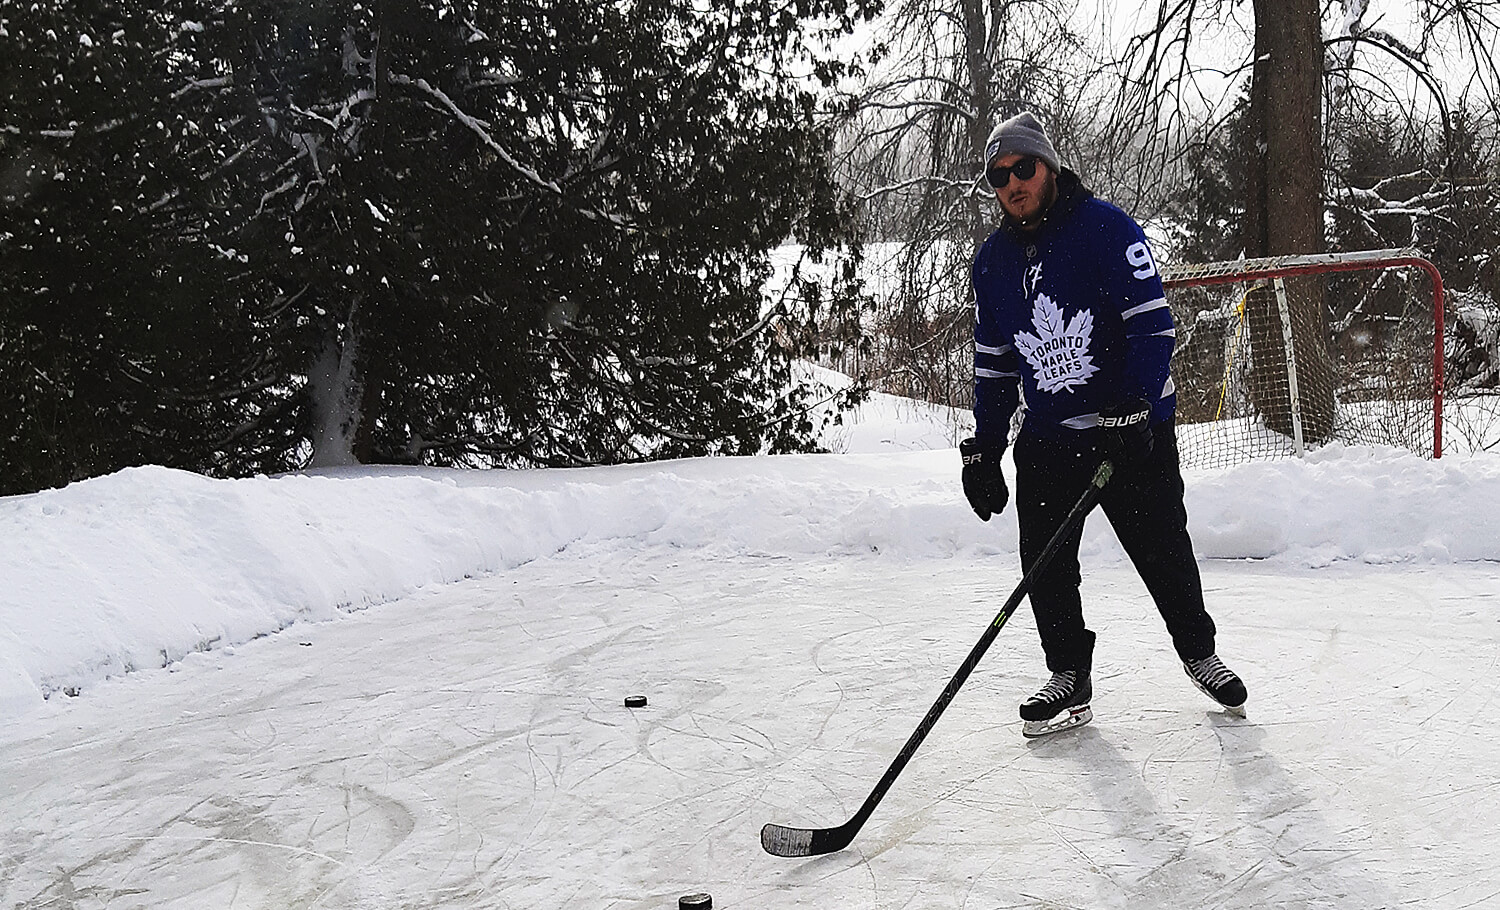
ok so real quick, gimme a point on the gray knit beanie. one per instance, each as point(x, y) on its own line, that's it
point(1022, 134)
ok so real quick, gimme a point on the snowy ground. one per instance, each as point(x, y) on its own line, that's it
point(439, 722)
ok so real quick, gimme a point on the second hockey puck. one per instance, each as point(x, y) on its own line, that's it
point(695, 902)
point(635, 701)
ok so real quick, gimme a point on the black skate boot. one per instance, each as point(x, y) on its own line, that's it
point(1061, 704)
point(1217, 682)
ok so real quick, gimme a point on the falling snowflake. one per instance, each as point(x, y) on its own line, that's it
point(1059, 352)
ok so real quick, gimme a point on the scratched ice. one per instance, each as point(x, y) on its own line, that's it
point(439, 721)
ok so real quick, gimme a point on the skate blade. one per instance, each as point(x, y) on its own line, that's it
point(1067, 720)
point(1237, 710)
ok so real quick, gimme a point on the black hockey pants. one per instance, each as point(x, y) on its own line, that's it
point(1144, 505)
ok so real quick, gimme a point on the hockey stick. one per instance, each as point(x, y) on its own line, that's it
point(781, 840)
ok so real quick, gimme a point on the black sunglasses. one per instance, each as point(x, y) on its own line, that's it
point(998, 176)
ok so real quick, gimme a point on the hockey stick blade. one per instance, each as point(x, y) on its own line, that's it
point(781, 840)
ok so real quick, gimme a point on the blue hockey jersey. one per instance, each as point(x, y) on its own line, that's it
point(1072, 315)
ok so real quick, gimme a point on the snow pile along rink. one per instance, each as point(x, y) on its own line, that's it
point(1370, 504)
point(142, 567)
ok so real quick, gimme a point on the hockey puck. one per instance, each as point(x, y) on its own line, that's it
point(695, 902)
point(636, 701)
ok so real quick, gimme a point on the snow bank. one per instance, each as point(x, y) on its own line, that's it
point(1376, 505)
point(139, 568)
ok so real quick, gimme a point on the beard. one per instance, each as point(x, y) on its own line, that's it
point(1030, 206)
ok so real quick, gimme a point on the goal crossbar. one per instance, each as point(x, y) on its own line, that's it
point(1277, 268)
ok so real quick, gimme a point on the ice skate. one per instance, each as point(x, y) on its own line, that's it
point(1217, 682)
point(1063, 703)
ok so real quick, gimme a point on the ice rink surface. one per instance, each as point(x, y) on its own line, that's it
point(469, 747)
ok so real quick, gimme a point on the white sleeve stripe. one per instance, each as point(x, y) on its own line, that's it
point(1156, 304)
point(990, 349)
point(1169, 333)
point(1169, 388)
point(982, 373)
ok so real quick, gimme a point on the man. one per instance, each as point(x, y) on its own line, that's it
point(1071, 314)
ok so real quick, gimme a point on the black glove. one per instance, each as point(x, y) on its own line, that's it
point(984, 485)
point(1125, 431)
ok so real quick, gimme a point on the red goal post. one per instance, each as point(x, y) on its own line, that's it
point(1275, 356)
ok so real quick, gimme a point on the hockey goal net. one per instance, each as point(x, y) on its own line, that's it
point(1277, 356)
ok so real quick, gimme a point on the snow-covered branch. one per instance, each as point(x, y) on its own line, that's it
point(924, 180)
point(199, 84)
point(478, 129)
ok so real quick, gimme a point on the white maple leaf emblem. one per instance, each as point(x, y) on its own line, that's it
point(1059, 351)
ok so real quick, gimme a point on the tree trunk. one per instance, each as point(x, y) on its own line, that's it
point(1284, 212)
point(977, 64)
point(336, 392)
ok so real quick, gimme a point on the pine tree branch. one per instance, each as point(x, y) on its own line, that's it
point(478, 129)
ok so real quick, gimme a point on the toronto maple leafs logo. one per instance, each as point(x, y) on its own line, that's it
point(1059, 351)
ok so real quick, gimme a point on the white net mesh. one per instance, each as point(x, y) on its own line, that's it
point(1276, 356)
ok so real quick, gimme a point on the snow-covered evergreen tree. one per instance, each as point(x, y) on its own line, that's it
point(261, 234)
